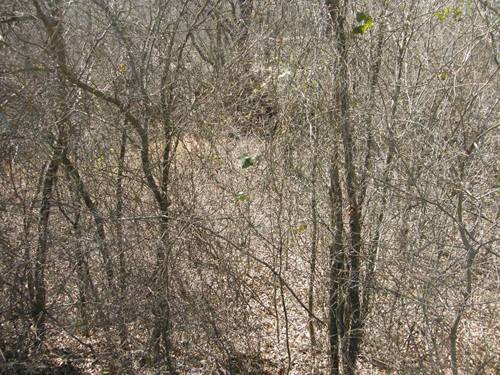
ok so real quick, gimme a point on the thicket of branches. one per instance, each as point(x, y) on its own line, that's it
point(249, 186)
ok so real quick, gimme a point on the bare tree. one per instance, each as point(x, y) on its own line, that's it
point(249, 187)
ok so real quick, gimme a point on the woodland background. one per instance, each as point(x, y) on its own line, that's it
point(249, 186)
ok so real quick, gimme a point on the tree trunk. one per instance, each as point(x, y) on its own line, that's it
point(40, 292)
point(314, 240)
point(336, 267)
point(119, 234)
point(337, 10)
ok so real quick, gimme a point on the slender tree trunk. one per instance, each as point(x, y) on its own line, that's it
point(314, 241)
point(56, 48)
point(351, 350)
point(84, 283)
point(336, 267)
point(161, 335)
point(160, 340)
point(40, 291)
point(471, 253)
point(119, 233)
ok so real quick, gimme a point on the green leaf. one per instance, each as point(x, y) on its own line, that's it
point(362, 17)
point(457, 13)
point(242, 196)
point(301, 228)
point(99, 161)
point(365, 21)
point(248, 160)
point(443, 76)
point(444, 13)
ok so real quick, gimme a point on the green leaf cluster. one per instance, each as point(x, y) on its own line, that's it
point(248, 161)
point(301, 228)
point(443, 76)
point(242, 196)
point(365, 22)
point(443, 14)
